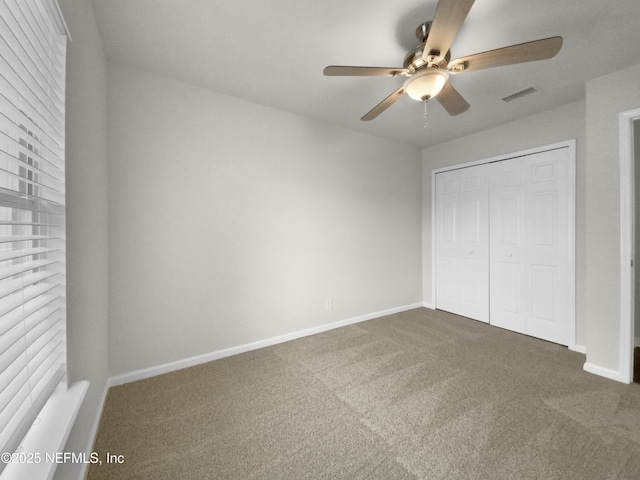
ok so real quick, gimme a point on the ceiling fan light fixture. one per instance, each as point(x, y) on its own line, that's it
point(426, 84)
point(428, 65)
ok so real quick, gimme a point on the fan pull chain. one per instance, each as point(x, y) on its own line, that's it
point(425, 115)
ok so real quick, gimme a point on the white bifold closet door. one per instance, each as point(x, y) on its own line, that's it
point(462, 242)
point(503, 244)
point(529, 245)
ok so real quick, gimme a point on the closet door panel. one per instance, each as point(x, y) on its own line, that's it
point(462, 242)
point(473, 248)
point(447, 186)
point(447, 284)
point(529, 238)
point(549, 248)
point(508, 221)
point(473, 276)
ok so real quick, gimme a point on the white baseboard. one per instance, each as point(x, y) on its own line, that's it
point(227, 352)
point(430, 306)
point(604, 372)
point(578, 348)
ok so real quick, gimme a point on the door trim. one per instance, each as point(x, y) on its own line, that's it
point(571, 145)
point(627, 244)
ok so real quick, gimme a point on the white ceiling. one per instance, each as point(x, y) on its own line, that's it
point(272, 52)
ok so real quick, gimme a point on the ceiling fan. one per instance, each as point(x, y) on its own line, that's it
point(429, 65)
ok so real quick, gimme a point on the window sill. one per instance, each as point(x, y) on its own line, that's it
point(36, 458)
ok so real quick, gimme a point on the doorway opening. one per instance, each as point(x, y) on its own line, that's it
point(629, 123)
point(636, 181)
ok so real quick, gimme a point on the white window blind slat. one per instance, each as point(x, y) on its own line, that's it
point(31, 93)
point(40, 146)
point(25, 238)
point(38, 56)
point(32, 296)
point(34, 41)
point(21, 332)
point(34, 184)
point(21, 131)
point(17, 41)
point(27, 252)
point(24, 267)
point(12, 331)
point(12, 120)
point(32, 213)
point(13, 286)
point(16, 375)
point(39, 359)
point(45, 320)
point(13, 407)
point(38, 22)
point(10, 23)
point(16, 428)
point(27, 100)
point(16, 175)
point(29, 202)
point(6, 223)
point(42, 342)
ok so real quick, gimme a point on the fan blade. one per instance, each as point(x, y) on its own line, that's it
point(346, 71)
point(451, 100)
point(521, 53)
point(449, 17)
point(383, 105)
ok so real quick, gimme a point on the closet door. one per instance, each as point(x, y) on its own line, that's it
point(508, 239)
point(462, 236)
point(530, 250)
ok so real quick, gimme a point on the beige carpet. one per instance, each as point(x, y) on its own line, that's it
point(416, 395)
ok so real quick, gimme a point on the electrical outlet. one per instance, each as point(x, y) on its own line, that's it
point(328, 304)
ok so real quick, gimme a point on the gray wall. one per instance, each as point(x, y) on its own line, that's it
point(87, 212)
point(232, 223)
point(606, 97)
point(564, 123)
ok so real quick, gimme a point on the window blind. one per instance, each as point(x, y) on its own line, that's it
point(32, 213)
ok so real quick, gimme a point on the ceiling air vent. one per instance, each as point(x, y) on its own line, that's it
point(520, 94)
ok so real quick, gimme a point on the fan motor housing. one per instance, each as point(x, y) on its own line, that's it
point(413, 59)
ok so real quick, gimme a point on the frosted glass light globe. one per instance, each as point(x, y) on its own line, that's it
point(426, 84)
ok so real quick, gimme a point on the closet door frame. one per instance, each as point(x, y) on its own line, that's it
point(571, 145)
